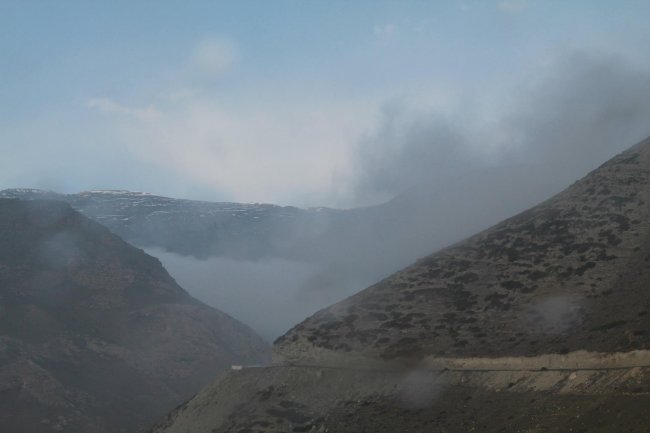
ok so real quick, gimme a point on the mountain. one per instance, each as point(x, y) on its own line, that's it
point(95, 336)
point(195, 228)
point(566, 266)
point(294, 261)
point(537, 324)
point(254, 231)
point(290, 261)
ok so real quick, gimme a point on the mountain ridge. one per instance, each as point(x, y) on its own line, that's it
point(188, 227)
point(95, 336)
point(538, 323)
point(558, 229)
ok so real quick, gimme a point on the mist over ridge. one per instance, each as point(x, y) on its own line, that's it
point(452, 178)
point(442, 176)
point(298, 216)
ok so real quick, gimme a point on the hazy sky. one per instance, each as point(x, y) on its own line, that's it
point(295, 102)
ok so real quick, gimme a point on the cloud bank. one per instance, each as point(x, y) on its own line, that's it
point(566, 119)
point(452, 174)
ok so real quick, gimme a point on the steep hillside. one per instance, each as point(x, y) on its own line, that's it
point(95, 336)
point(571, 273)
point(538, 324)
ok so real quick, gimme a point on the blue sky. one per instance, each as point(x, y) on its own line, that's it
point(263, 100)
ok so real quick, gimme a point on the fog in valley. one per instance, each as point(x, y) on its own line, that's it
point(268, 295)
point(324, 216)
point(414, 144)
point(438, 177)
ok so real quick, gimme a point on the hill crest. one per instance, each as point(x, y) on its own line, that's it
point(568, 274)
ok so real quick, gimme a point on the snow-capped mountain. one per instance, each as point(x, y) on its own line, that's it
point(189, 227)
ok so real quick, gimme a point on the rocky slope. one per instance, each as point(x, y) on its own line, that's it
point(95, 336)
point(538, 324)
point(568, 274)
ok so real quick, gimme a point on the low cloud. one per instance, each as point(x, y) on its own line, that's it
point(274, 154)
point(419, 389)
point(585, 108)
point(62, 250)
point(107, 105)
point(214, 56)
point(386, 31)
point(270, 295)
point(410, 148)
point(554, 314)
point(566, 119)
point(451, 175)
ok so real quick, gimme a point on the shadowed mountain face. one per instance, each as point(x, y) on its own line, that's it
point(539, 323)
point(95, 336)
